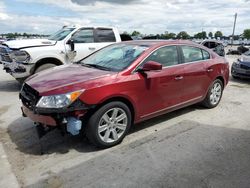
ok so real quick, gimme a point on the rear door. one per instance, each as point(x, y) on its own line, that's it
point(195, 77)
point(104, 37)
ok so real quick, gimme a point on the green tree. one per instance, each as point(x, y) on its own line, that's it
point(210, 34)
point(246, 33)
point(135, 33)
point(218, 34)
point(183, 35)
point(168, 36)
point(201, 35)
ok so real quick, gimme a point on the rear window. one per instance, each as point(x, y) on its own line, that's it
point(191, 54)
point(206, 55)
point(105, 35)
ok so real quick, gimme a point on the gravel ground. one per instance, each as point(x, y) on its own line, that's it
point(191, 147)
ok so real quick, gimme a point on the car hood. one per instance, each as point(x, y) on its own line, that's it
point(65, 77)
point(25, 43)
point(245, 58)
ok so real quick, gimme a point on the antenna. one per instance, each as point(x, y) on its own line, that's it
point(235, 18)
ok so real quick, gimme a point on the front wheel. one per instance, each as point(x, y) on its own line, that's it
point(109, 124)
point(44, 67)
point(214, 94)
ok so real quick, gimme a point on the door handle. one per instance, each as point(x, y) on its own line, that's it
point(178, 77)
point(210, 70)
point(91, 48)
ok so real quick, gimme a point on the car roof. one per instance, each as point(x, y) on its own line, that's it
point(211, 40)
point(152, 43)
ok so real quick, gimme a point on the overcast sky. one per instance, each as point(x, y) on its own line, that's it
point(146, 16)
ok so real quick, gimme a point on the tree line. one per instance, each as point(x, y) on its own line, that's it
point(185, 35)
point(166, 35)
point(23, 35)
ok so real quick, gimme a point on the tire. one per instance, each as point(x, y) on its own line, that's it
point(212, 99)
point(21, 80)
point(235, 77)
point(44, 67)
point(101, 127)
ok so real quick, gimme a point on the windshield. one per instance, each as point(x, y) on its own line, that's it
point(116, 57)
point(247, 53)
point(61, 34)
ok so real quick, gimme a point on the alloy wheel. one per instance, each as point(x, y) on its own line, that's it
point(112, 125)
point(215, 93)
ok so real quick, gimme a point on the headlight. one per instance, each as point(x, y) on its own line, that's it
point(237, 63)
point(20, 56)
point(58, 101)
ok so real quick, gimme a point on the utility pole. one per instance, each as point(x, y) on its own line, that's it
point(235, 18)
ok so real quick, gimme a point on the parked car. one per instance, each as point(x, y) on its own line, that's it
point(214, 45)
point(22, 58)
point(241, 68)
point(123, 84)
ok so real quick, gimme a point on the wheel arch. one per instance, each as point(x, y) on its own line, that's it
point(123, 99)
point(222, 80)
point(46, 60)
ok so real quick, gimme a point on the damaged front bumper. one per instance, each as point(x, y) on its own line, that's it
point(17, 70)
point(67, 122)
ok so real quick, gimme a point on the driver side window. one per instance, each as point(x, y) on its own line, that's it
point(83, 36)
point(167, 56)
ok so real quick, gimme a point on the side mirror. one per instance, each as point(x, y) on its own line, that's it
point(151, 66)
point(72, 44)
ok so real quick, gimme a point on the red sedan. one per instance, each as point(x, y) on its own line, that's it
point(123, 84)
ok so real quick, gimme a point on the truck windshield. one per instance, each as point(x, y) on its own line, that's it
point(61, 34)
point(116, 57)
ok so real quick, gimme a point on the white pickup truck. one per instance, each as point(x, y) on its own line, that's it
point(22, 58)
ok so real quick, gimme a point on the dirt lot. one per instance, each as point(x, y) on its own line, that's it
point(192, 147)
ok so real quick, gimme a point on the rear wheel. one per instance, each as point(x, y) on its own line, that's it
point(109, 124)
point(214, 94)
point(44, 67)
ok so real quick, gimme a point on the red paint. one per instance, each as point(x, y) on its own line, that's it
point(47, 120)
point(156, 93)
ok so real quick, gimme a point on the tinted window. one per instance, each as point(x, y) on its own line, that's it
point(83, 36)
point(105, 35)
point(213, 45)
point(206, 44)
point(191, 54)
point(206, 55)
point(166, 56)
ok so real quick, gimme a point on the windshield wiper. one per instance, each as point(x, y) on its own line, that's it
point(97, 66)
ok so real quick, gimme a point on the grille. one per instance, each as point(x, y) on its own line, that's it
point(29, 96)
point(6, 58)
point(3, 50)
point(4, 53)
point(245, 67)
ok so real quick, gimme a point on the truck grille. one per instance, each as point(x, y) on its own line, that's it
point(5, 54)
point(29, 96)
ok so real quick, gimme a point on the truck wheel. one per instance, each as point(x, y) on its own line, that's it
point(109, 124)
point(21, 80)
point(44, 67)
point(214, 94)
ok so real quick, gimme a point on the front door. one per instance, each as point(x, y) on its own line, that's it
point(161, 90)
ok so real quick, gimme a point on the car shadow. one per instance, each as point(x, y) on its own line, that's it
point(164, 118)
point(10, 86)
point(23, 134)
point(239, 80)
